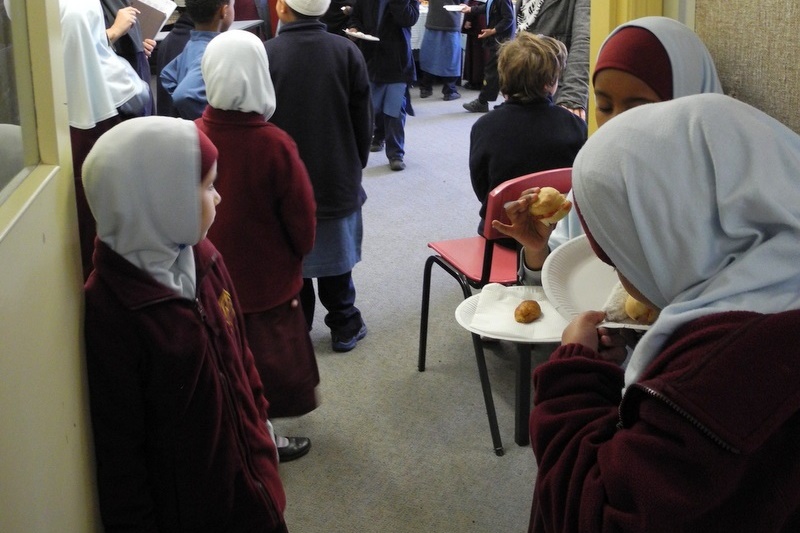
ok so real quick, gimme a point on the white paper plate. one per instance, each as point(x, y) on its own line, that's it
point(575, 280)
point(502, 325)
point(451, 7)
point(359, 35)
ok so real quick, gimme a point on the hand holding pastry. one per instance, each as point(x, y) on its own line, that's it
point(528, 229)
point(550, 206)
point(524, 227)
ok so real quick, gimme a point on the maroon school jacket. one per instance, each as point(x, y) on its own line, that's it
point(707, 440)
point(176, 403)
point(265, 222)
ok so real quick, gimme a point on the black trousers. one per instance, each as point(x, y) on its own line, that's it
point(338, 295)
point(491, 78)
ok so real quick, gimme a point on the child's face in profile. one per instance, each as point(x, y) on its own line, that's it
point(209, 199)
point(616, 91)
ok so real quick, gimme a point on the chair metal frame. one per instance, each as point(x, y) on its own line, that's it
point(476, 261)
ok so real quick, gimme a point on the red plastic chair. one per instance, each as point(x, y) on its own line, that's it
point(476, 261)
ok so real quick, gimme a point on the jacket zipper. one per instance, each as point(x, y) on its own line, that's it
point(241, 442)
point(683, 413)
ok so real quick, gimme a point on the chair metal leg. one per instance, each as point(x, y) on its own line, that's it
point(487, 395)
point(423, 316)
point(522, 401)
point(426, 300)
point(476, 342)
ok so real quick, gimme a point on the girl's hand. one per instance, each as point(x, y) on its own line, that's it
point(608, 343)
point(583, 330)
point(525, 229)
point(613, 345)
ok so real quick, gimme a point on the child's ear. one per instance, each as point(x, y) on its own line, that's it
point(223, 11)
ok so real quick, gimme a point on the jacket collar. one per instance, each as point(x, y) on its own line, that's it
point(219, 116)
point(134, 287)
point(302, 25)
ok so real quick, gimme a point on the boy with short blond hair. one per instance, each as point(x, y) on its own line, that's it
point(528, 132)
point(530, 66)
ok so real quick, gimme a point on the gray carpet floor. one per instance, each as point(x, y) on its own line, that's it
point(396, 450)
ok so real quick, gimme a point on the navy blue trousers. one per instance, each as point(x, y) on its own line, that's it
point(338, 295)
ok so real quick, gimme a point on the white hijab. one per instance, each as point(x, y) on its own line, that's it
point(236, 71)
point(693, 70)
point(142, 181)
point(98, 80)
point(696, 201)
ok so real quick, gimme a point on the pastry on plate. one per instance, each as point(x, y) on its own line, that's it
point(527, 311)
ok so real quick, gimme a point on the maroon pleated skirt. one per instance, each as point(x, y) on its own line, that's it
point(284, 358)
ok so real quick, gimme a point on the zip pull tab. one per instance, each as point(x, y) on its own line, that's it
point(201, 310)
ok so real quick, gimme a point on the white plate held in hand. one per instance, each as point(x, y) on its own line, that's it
point(575, 280)
point(359, 35)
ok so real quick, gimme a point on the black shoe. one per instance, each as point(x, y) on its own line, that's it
point(397, 164)
point(377, 145)
point(451, 96)
point(471, 86)
point(345, 345)
point(476, 106)
point(297, 448)
point(424, 93)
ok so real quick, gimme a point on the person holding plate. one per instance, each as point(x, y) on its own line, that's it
point(391, 69)
point(700, 216)
point(440, 51)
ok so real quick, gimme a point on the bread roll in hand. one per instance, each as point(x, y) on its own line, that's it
point(550, 206)
point(639, 312)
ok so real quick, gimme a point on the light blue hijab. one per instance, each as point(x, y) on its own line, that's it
point(142, 182)
point(693, 70)
point(696, 201)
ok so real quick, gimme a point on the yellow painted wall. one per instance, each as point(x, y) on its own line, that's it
point(46, 465)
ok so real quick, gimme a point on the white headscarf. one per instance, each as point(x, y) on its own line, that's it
point(696, 201)
point(98, 80)
point(142, 181)
point(693, 70)
point(236, 71)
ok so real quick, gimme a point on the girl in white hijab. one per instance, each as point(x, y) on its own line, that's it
point(266, 225)
point(100, 84)
point(242, 84)
point(150, 221)
point(175, 396)
point(696, 203)
point(705, 216)
point(102, 90)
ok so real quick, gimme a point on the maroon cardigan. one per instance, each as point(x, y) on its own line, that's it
point(265, 223)
point(707, 440)
point(176, 403)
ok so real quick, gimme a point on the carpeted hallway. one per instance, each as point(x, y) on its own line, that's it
point(395, 450)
